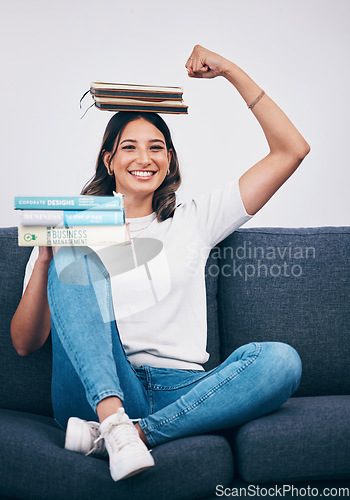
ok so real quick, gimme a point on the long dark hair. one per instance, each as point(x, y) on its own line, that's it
point(103, 184)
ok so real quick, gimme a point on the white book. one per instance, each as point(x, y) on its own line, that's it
point(71, 217)
point(47, 236)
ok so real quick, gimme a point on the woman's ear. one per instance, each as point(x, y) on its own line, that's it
point(170, 155)
point(106, 159)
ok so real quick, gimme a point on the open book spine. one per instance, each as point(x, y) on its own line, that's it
point(72, 217)
point(73, 235)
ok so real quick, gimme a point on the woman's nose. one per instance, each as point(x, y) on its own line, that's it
point(143, 157)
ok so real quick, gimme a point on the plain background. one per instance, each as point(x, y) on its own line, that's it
point(296, 50)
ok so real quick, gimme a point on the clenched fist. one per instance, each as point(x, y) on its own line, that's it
point(203, 63)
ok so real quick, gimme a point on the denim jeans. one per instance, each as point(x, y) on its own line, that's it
point(90, 364)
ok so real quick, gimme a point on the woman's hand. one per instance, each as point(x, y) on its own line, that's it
point(203, 63)
point(45, 255)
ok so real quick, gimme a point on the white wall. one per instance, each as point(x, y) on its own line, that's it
point(297, 50)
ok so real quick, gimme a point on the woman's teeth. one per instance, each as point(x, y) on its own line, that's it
point(142, 173)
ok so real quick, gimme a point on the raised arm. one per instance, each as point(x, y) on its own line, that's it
point(30, 325)
point(287, 147)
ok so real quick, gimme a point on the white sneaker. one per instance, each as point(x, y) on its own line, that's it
point(81, 436)
point(128, 454)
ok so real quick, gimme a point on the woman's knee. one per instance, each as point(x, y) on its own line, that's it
point(78, 266)
point(286, 364)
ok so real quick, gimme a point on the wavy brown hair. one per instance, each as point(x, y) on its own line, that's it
point(103, 184)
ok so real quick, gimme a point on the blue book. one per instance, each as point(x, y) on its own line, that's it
point(72, 217)
point(69, 202)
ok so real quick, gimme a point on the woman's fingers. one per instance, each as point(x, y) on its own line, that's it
point(196, 66)
point(203, 72)
point(203, 63)
point(189, 64)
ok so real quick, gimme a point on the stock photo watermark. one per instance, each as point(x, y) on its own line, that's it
point(249, 261)
point(281, 490)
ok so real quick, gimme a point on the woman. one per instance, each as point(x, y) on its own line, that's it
point(154, 374)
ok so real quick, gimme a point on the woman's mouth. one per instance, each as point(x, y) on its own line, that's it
point(142, 174)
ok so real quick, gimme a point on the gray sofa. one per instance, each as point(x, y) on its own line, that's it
point(289, 285)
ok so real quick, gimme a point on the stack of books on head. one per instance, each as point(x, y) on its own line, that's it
point(71, 221)
point(125, 97)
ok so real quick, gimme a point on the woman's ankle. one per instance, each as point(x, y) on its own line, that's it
point(142, 435)
point(108, 407)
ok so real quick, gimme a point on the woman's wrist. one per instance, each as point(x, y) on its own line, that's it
point(45, 256)
point(229, 70)
point(42, 265)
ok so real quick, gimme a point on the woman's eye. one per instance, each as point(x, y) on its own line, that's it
point(132, 147)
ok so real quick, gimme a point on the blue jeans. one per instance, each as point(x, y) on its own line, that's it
point(90, 364)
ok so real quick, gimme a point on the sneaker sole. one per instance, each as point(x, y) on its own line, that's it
point(134, 468)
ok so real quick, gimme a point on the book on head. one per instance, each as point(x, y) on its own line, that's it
point(135, 91)
point(130, 97)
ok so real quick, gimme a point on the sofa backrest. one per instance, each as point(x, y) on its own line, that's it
point(287, 285)
point(293, 286)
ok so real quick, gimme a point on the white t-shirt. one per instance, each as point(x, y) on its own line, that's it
point(158, 287)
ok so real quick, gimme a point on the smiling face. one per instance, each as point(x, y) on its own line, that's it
point(141, 160)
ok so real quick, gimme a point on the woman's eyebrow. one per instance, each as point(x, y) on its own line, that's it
point(128, 140)
point(134, 140)
point(157, 140)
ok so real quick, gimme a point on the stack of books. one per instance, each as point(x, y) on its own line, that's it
point(125, 97)
point(71, 221)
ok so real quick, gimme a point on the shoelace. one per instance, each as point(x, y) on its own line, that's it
point(124, 433)
point(98, 445)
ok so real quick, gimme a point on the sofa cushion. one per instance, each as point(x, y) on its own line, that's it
point(307, 438)
point(35, 465)
point(293, 286)
point(24, 382)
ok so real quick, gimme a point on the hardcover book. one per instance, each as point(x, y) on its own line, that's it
point(72, 217)
point(73, 235)
point(135, 91)
point(69, 202)
point(141, 107)
point(119, 104)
